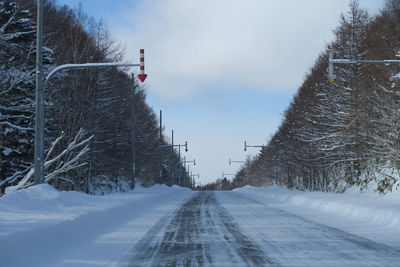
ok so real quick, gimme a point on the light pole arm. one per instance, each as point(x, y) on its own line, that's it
point(178, 145)
point(89, 65)
point(235, 161)
point(349, 61)
point(246, 146)
point(332, 61)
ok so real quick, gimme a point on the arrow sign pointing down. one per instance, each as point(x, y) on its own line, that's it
point(142, 77)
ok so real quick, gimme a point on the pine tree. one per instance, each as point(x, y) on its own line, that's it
point(17, 91)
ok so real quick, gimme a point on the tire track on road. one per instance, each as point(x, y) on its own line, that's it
point(295, 241)
point(200, 233)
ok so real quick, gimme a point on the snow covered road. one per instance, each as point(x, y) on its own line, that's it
point(291, 240)
point(200, 233)
point(238, 231)
point(163, 226)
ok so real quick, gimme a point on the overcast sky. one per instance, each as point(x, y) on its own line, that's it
point(222, 71)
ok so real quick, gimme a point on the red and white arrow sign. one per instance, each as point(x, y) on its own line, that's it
point(142, 76)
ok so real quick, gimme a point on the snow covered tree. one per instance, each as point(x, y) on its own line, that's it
point(17, 91)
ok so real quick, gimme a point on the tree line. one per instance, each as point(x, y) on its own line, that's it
point(90, 114)
point(345, 133)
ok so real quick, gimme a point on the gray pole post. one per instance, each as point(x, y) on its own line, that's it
point(133, 135)
point(39, 109)
point(161, 140)
point(179, 152)
point(172, 139)
point(331, 75)
point(172, 148)
point(160, 125)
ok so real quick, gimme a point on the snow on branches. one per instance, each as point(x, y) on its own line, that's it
point(67, 160)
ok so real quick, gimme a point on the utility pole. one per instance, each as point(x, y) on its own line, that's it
point(193, 182)
point(172, 150)
point(133, 135)
point(172, 145)
point(39, 109)
point(160, 125)
point(159, 154)
point(186, 162)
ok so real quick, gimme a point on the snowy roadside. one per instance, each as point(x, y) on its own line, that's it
point(48, 227)
point(366, 214)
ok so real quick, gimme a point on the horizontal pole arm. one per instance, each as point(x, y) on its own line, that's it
point(163, 146)
point(349, 61)
point(89, 65)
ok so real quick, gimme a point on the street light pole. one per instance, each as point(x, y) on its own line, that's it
point(133, 136)
point(189, 161)
point(39, 116)
point(185, 162)
point(39, 109)
point(159, 154)
point(193, 180)
point(172, 146)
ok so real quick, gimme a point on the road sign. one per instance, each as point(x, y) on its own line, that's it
point(142, 76)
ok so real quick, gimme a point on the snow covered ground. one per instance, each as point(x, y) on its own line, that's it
point(41, 226)
point(271, 226)
point(363, 213)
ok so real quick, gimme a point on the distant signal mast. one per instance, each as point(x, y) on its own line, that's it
point(332, 61)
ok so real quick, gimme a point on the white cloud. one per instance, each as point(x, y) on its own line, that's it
point(192, 45)
point(197, 45)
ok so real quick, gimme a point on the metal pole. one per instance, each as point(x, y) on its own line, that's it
point(172, 148)
point(178, 173)
point(160, 125)
point(39, 109)
point(133, 136)
point(331, 75)
point(159, 153)
point(172, 141)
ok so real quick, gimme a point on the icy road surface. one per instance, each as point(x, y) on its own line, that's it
point(229, 229)
point(173, 226)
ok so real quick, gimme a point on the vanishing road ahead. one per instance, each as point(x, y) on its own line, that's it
point(228, 229)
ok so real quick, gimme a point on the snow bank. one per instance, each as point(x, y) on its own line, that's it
point(44, 225)
point(365, 206)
